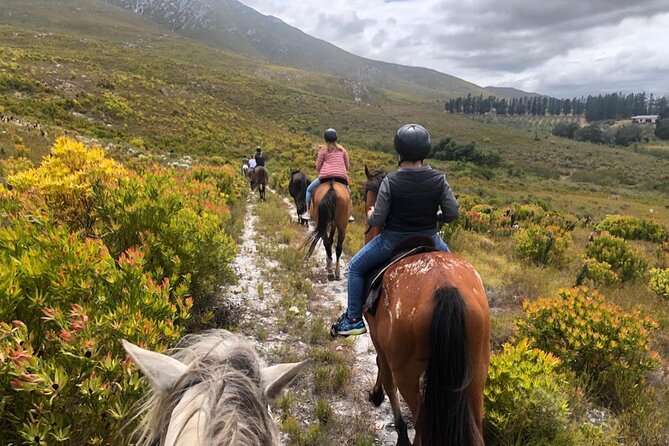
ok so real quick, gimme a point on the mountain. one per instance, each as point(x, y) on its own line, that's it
point(233, 26)
point(509, 93)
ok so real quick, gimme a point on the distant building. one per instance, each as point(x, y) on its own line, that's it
point(645, 119)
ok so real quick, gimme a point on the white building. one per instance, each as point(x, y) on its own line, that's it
point(645, 119)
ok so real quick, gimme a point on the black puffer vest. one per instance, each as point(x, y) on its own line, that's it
point(415, 196)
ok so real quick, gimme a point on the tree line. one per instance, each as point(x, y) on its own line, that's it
point(594, 108)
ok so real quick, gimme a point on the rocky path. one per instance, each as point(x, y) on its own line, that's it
point(260, 304)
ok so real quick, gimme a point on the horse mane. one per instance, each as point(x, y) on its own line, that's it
point(374, 180)
point(224, 367)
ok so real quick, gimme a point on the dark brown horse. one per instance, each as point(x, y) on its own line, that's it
point(260, 179)
point(332, 202)
point(299, 181)
point(431, 331)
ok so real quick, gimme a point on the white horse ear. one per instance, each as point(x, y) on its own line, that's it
point(161, 370)
point(277, 377)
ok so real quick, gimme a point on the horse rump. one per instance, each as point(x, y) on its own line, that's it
point(326, 212)
point(445, 417)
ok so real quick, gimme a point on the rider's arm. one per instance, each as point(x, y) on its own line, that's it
point(382, 205)
point(346, 160)
point(320, 159)
point(449, 205)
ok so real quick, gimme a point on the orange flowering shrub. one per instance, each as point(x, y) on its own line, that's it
point(591, 336)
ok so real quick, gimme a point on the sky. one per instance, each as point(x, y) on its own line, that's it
point(562, 48)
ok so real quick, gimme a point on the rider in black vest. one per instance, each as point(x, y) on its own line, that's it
point(260, 159)
point(407, 204)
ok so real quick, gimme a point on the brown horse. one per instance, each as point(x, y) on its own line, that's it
point(260, 179)
point(431, 331)
point(332, 201)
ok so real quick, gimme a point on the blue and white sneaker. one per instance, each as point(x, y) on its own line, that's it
point(345, 327)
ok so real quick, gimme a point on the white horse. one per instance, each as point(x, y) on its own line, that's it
point(209, 391)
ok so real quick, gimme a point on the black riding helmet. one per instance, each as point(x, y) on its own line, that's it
point(412, 142)
point(330, 135)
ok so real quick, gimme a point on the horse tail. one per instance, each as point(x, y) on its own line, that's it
point(326, 213)
point(445, 418)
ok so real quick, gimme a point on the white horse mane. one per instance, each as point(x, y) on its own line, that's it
point(210, 390)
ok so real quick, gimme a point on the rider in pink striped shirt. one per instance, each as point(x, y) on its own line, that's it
point(331, 162)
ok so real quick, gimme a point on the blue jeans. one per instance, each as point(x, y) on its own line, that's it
point(371, 256)
point(310, 190)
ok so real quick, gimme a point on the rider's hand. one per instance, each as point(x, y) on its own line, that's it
point(370, 211)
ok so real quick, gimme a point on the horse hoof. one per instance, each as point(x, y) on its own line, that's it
point(331, 277)
point(376, 397)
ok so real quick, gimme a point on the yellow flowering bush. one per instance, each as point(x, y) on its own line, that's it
point(66, 178)
point(591, 336)
point(11, 165)
point(596, 272)
point(659, 282)
point(526, 397)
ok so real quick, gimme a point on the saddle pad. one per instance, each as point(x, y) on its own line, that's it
point(373, 286)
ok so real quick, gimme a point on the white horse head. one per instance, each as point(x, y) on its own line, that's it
point(210, 391)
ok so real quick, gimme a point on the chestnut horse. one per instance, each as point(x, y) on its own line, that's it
point(260, 179)
point(431, 332)
point(332, 203)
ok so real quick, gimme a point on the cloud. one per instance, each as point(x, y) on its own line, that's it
point(552, 46)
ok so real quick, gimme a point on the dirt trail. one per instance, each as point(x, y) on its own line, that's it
point(252, 293)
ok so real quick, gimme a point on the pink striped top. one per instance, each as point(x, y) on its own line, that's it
point(332, 164)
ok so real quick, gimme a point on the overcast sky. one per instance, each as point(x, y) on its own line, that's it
point(557, 47)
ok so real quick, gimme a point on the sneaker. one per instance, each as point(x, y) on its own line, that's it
point(351, 218)
point(306, 216)
point(345, 327)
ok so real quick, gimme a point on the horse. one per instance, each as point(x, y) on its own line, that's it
point(332, 203)
point(431, 331)
point(297, 188)
point(260, 179)
point(210, 390)
point(245, 170)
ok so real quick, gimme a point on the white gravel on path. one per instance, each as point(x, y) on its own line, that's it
point(253, 293)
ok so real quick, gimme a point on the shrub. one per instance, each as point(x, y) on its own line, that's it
point(624, 260)
point(633, 228)
point(565, 129)
point(592, 337)
point(627, 134)
point(449, 150)
point(65, 180)
point(12, 165)
point(599, 273)
point(525, 397)
point(542, 246)
point(590, 133)
point(64, 377)
point(659, 282)
point(662, 129)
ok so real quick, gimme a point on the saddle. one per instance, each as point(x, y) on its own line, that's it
point(412, 245)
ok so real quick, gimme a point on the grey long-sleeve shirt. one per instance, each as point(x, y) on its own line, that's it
point(448, 203)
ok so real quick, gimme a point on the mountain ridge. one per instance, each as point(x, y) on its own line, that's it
point(231, 25)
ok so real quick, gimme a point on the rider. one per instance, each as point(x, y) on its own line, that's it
point(252, 163)
point(260, 159)
point(331, 162)
point(406, 205)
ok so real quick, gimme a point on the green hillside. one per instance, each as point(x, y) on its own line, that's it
point(87, 67)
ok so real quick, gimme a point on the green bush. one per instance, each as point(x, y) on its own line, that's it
point(565, 129)
point(599, 273)
point(542, 246)
point(64, 378)
point(594, 338)
point(633, 228)
point(590, 133)
point(659, 282)
point(624, 260)
point(526, 397)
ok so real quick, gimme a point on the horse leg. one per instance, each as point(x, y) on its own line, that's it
point(376, 396)
point(391, 390)
point(341, 235)
point(327, 243)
